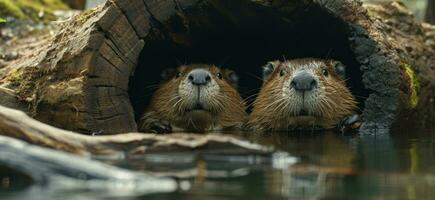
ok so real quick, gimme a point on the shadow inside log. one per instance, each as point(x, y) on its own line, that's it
point(226, 37)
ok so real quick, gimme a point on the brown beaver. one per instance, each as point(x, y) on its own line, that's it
point(302, 94)
point(198, 98)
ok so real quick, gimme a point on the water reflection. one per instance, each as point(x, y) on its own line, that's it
point(12, 180)
point(379, 165)
point(329, 165)
point(325, 159)
point(32, 172)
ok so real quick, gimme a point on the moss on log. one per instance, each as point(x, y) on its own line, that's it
point(37, 10)
point(91, 77)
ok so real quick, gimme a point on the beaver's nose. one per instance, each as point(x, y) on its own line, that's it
point(303, 81)
point(199, 77)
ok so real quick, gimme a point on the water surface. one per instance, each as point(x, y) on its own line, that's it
point(329, 165)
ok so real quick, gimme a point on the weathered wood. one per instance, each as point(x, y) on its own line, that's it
point(16, 124)
point(137, 15)
point(80, 79)
point(64, 171)
point(410, 46)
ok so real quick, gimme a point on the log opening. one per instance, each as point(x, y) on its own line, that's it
point(243, 42)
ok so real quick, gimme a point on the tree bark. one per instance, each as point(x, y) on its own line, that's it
point(80, 79)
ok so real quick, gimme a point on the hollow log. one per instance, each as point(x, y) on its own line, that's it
point(92, 76)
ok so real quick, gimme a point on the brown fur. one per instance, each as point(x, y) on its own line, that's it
point(227, 109)
point(273, 112)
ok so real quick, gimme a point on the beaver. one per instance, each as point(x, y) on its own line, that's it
point(196, 98)
point(303, 94)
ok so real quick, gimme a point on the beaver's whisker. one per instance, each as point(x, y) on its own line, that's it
point(251, 90)
point(176, 103)
point(278, 106)
point(323, 106)
point(173, 98)
point(249, 97)
point(218, 106)
point(272, 104)
point(222, 100)
point(281, 107)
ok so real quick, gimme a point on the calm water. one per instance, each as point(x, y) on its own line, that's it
point(330, 166)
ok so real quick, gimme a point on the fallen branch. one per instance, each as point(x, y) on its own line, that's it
point(51, 170)
point(16, 124)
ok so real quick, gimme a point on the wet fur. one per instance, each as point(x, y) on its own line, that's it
point(276, 107)
point(171, 103)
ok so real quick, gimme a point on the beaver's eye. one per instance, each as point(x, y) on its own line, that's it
point(282, 72)
point(179, 74)
point(325, 72)
point(219, 75)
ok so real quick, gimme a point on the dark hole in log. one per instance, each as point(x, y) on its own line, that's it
point(245, 46)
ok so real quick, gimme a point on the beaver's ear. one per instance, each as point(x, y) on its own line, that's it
point(340, 69)
point(268, 70)
point(168, 73)
point(232, 77)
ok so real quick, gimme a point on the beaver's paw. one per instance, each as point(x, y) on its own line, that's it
point(160, 126)
point(149, 124)
point(350, 123)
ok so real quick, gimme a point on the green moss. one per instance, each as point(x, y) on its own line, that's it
point(30, 9)
point(20, 82)
point(15, 78)
point(414, 85)
point(9, 8)
point(2, 20)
